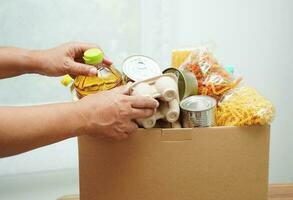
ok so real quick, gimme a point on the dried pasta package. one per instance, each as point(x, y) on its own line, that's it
point(244, 106)
point(213, 80)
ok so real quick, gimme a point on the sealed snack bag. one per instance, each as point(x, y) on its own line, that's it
point(213, 80)
point(244, 106)
point(107, 78)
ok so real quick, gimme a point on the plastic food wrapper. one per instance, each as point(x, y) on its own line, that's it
point(213, 80)
point(244, 106)
point(179, 56)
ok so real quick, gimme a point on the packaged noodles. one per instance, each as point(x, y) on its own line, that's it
point(179, 56)
point(213, 80)
point(244, 106)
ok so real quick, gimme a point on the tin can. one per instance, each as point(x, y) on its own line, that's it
point(198, 111)
point(139, 68)
point(187, 82)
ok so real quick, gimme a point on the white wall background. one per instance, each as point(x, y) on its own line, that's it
point(33, 24)
point(255, 36)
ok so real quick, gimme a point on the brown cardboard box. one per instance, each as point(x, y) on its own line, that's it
point(220, 163)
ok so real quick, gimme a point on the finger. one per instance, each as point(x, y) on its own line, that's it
point(141, 113)
point(77, 49)
point(143, 102)
point(124, 89)
point(131, 128)
point(72, 76)
point(83, 46)
point(107, 62)
point(76, 68)
point(128, 128)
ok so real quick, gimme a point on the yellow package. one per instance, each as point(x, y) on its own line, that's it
point(179, 56)
point(244, 107)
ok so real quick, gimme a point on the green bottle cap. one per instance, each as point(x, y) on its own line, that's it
point(229, 69)
point(93, 56)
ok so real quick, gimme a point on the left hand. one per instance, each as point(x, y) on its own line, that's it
point(65, 59)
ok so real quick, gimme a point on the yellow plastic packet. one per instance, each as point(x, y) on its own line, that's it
point(244, 106)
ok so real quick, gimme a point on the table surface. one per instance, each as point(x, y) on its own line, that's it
point(281, 192)
point(276, 192)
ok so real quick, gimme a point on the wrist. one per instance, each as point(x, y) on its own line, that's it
point(80, 121)
point(31, 61)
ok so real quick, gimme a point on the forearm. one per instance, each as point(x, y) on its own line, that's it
point(16, 61)
point(26, 128)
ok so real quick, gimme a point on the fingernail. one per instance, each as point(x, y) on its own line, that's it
point(93, 71)
point(157, 103)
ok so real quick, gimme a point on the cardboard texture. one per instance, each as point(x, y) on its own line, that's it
point(219, 163)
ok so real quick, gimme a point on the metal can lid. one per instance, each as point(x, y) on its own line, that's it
point(198, 103)
point(138, 68)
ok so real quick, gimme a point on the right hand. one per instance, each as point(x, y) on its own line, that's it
point(111, 113)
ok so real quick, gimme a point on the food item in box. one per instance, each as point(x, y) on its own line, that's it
point(107, 78)
point(244, 106)
point(138, 68)
point(165, 89)
point(216, 85)
point(187, 83)
point(213, 80)
point(198, 111)
point(179, 56)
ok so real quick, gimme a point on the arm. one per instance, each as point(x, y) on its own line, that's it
point(15, 61)
point(58, 61)
point(26, 128)
point(107, 114)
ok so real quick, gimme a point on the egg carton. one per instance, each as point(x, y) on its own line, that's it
point(164, 88)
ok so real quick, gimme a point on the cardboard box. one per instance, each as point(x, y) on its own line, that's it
point(219, 163)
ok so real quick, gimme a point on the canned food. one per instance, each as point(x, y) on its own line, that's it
point(139, 68)
point(187, 82)
point(198, 111)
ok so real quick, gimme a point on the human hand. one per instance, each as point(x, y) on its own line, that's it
point(111, 113)
point(64, 59)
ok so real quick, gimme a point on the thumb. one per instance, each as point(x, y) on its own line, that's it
point(124, 89)
point(76, 68)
